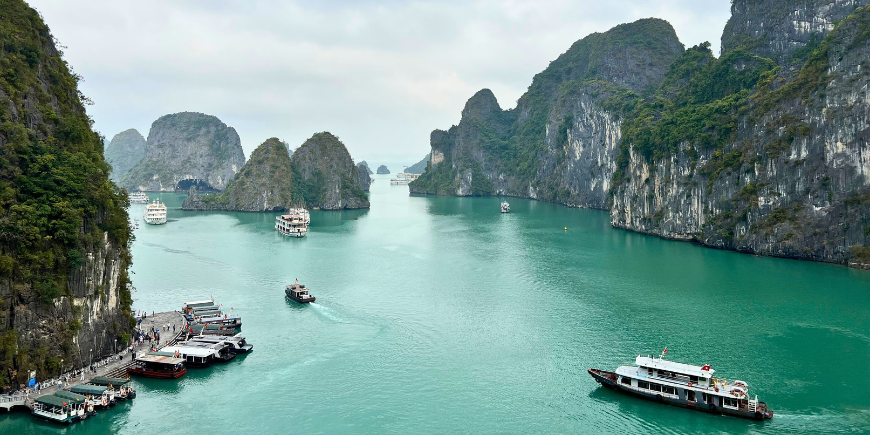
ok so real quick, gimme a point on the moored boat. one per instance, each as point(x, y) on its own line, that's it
point(221, 350)
point(299, 293)
point(138, 198)
point(98, 396)
point(119, 386)
point(684, 385)
point(55, 408)
point(158, 366)
point(505, 207)
point(85, 410)
point(226, 321)
point(237, 343)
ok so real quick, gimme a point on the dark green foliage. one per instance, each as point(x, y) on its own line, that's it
point(55, 196)
point(861, 253)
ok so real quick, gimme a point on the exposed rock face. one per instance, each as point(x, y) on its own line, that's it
point(64, 232)
point(324, 175)
point(383, 170)
point(368, 170)
point(730, 152)
point(777, 28)
point(419, 167)
point(365, 180)
point(187, 146)
point(263, 184)
point(124, 151)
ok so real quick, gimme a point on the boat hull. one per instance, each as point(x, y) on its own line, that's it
point(66, 421)
point(156, 374)
point(609, 380)
point(302, 301)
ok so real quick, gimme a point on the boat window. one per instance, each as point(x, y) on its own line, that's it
point(650, 371)
point(694, 379)
point(731, 403)
point(690, 395)
point(643, 384)
point(626, 380)
point(668, 390)
point(655, 387)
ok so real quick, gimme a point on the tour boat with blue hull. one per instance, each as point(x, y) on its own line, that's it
point(684, 385)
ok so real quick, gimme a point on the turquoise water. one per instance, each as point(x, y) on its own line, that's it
point(440, 315)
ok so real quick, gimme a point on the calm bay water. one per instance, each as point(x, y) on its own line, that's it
point(440, 315)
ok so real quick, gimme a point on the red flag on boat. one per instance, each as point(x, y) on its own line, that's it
point(297, 279)
point(665, 351)
point(706, 367)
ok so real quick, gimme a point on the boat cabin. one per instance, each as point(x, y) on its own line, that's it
point(202, 303)
point(212, 329)
point(222, 349)
point(699, 376)
point(56, 408)
point(98, 396)
point(158, 366)
point(299, 293)
point(192, 355)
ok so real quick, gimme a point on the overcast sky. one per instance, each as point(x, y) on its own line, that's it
point(381, 75)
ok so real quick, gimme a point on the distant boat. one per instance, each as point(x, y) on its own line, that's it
point(155, 213)
point(684, 385)
point(505, 207)
point(57, 409)
point(294, 223)
point(138, 198)
point(299, 293)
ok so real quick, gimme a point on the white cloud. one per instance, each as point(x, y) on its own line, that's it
point(380, 75)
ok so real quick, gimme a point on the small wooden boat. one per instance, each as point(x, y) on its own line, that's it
point(85, 410)
point(158, 366)
point(98, 396)
point(299, 293)
point(119, 386)
point(57, 409)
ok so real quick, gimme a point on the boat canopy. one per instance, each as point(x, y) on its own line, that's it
point(71, 397)
point(160, 359)
point(199, 308)
point(207, 313)
point(105, 380)
point(199, 303)
point(53, 400)
point(218, 319)
point(200, 352)
point(89, 389)
point(686, 369)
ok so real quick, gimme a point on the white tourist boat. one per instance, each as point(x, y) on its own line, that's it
point(294, 223)
point(155, 213)
point(138, 198)
point(684, 385)
point(505, 207)
point(57, 409)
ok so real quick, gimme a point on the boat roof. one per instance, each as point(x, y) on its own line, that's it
point(71, 396)
point(195, 351)
point(215, 319)
point(160, 359)
point(661, 364)
point(51, 399)
point(88, 389)
point(236, 337)
point(205, 307)
point(105, 380)
point(202, 302)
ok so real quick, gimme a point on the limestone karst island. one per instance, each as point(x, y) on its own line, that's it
point(442, 217)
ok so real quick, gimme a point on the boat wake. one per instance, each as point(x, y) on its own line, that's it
point(327, 313)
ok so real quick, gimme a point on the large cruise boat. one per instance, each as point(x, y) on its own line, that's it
point(155, 213)
point(294, 223)
point(684, 385)
point(138, 198)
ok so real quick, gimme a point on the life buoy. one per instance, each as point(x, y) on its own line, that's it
point(716, 388)
point(104, 401)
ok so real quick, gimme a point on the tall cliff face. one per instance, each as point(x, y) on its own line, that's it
point(368, 169)
point(365, 180)
point(124, 151)
point(186, 149)
point(263, 184)
point(558, 144)
point(734, 152)
point(777, 29)
point(324, 175)
point(64, 233)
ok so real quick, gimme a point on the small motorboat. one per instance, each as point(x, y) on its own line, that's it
point(299, 293)
point(505, 207)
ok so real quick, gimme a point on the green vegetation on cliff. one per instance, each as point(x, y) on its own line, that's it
point(325, 176)
point(56, 200)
